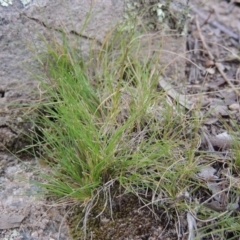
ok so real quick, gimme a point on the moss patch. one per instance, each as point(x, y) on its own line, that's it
point(129, 220)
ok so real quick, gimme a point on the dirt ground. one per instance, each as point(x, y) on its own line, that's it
point(24, 214)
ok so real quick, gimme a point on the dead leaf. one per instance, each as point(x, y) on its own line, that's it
point(174, 94)
point(10, 221)
point(222, 144)
point(232, 58)
point(229, 97)
point(215, 188)
point(210, 121)
point(220, 110)
point(225, 136)
point(216, 206)
point(207, 173)
point(220, 66)
point(222, 141)
point(210, 70)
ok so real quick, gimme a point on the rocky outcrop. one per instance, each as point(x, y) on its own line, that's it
point(22, 28)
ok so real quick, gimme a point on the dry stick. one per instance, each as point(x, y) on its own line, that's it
point(212, 58)
point(226, 79)
point(206, 21)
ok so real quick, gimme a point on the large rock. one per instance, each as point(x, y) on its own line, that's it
point(88, 21)
point(21, 32)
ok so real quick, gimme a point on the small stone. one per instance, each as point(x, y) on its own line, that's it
point(220, 110)
point(209, 63)
point(19, 119)
point(234, 106)
point(210, 70)
point(34, 235)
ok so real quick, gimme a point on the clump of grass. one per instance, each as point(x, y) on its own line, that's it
point(104, 122)
point(112, 124)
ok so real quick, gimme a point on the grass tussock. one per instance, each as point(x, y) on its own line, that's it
point(104, 121)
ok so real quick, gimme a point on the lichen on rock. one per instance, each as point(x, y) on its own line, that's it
point(6, 3)
point(158, 15)
point(14, 133)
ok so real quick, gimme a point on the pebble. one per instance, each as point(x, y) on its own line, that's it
point(209, 63)
point(210, 70)
point(34, 235)
point(220, 110)
point(234, 106)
